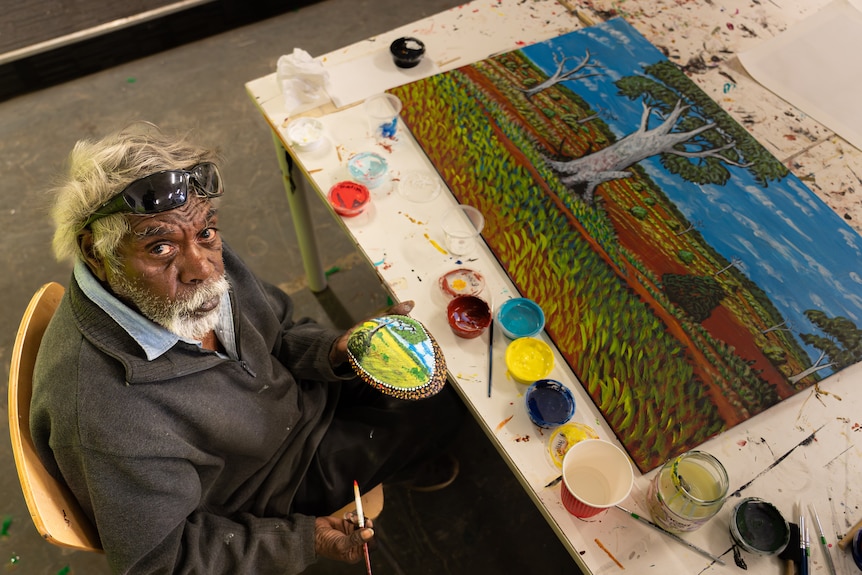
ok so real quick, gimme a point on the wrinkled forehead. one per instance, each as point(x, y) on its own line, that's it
point(197, 213)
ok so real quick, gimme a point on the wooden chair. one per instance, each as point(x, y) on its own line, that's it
point(56, 513)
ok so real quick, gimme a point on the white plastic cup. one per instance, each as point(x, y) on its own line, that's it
point(461, 226)
point(596, 475)
point(382, 111)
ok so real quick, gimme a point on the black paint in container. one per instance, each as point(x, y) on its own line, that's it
point(758, 527)
point(407, 52)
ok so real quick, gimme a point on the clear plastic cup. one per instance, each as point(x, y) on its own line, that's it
point(461, 226)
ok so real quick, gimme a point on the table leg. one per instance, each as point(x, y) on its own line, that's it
point(298, 190)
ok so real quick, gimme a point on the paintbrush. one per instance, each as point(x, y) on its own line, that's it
point(490, 353)
point(803, 555)
point(823, 544)
point(360, 516)
point(673, 536)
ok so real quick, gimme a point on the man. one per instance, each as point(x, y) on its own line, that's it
point(202, 429)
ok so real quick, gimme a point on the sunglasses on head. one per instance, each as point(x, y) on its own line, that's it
point(162, 191)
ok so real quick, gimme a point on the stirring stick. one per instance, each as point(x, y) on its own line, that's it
point(673, 536)
point(845, 541)
point(823, 544)
point(490, 354)
point(361, 518)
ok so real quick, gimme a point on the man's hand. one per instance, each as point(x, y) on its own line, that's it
point(340, 539)
point(338, 353)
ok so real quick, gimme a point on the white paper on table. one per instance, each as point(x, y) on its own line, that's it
point(355, 80)
point(815, 65)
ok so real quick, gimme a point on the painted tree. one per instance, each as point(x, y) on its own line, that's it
point(579, 72)
point(842, 343)
point(694, 138)
point(696, 295)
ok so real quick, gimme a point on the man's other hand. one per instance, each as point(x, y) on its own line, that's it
point(340, 539)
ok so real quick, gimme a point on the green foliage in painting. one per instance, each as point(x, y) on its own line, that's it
point(663, 86)
point(607, 312)
point(685, 256)
point(639, 212)
point(843, 344)
point(697, 295)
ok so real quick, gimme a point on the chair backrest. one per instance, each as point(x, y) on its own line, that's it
point(56, 513)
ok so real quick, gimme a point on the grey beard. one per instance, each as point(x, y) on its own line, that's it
point(175, 316)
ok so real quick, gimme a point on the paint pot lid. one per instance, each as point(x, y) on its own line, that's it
point(758, 527)
point(566, 436)
point(419, 187)
point(462, 281)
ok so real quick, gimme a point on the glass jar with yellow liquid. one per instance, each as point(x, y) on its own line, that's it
point(687, 491)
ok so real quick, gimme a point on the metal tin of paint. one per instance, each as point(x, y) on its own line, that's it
point(758, 527)
point(687, 491)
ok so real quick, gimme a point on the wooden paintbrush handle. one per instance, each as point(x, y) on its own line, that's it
point(849, 537)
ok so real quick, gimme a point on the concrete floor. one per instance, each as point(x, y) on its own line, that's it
point(484, 523)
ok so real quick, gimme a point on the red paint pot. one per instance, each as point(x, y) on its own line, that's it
point(469, 316)
point(349, 198)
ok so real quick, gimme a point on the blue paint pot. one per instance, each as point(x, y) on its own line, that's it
point(520, 317)
point(549, 403)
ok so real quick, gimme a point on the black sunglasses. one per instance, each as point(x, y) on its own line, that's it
point(162, 191)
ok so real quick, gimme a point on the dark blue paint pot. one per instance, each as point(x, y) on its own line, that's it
point(549, 403)
point(758, 527)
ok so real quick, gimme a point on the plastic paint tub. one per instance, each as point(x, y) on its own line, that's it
point(529, 359)
point(305, 133)
point(758, 527)
point(521, 317)
point(549, 403)
point(349, 199)
point(368, 169)
point(468, 316)
point(407, 52)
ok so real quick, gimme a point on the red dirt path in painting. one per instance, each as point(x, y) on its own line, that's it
point(722, 324)
point(700, 365)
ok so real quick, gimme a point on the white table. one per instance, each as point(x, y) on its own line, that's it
point(403, 241)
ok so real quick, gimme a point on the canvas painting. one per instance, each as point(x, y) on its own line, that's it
point(689, 280)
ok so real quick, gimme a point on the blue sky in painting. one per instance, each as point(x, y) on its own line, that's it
point(802, 254)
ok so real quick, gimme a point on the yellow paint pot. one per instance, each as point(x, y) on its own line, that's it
point(529, 359)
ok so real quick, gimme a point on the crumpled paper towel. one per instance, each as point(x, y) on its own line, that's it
point(303, 81)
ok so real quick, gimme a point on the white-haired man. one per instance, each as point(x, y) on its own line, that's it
point(201, 427)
